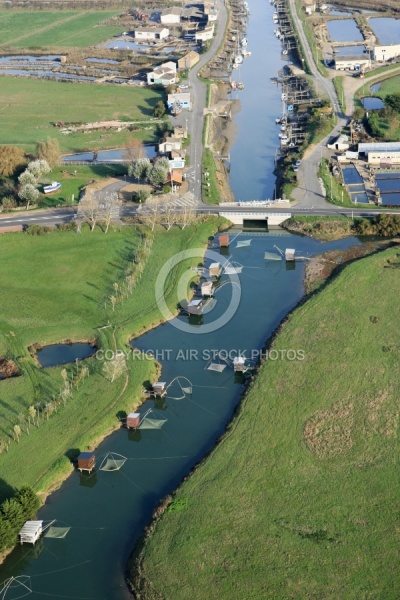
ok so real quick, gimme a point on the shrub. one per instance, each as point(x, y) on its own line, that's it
point(37, 229)
point(13, 514)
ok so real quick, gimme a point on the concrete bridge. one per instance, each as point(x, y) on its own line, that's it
point(269, 218)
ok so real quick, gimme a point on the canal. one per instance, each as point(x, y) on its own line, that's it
point(107, 510)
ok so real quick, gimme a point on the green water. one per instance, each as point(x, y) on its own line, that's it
point(108, 510)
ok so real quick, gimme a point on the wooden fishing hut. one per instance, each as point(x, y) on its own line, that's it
point(86, 461)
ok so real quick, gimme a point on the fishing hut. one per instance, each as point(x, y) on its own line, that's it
point(207, 288)
point(195, 306)
point(133, 420)
point(160, 389)
point(86, 461)
point(239, 364)
point(31, 532)
point(215, 269)
point(290, 254)
point(223, 241)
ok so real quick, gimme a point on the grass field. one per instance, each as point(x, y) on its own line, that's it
point(56, 287)
point(300, 499)
point(36, 29)
point(28, 109)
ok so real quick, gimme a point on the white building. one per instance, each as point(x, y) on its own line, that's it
point(182, 99)
point(169, 144)
point(205, 34)
point(352, 62)
point(165, 74)
point(171, 16)
point(383, 53)
point(381, 152)
point(151, 33)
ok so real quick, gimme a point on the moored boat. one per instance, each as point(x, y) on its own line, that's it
point(53, 187)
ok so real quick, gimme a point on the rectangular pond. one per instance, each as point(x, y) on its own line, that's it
point(391, 199)
point(344, 30)
point(351, 176)
point(346, 50)
point(387, 30)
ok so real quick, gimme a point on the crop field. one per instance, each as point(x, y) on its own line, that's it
point(55, 28)
point(300, 498)
point(56, 287)
point(29, 108)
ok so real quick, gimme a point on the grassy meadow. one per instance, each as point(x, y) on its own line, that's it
point(29, 108)
point(300, 499)
point(56, 287)
point(35, 29)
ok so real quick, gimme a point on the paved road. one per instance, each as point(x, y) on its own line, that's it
point(309, 193)
point(195, 118)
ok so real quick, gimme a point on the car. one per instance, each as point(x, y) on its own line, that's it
point(295, 169)
point(297, 163)
point(183, 87)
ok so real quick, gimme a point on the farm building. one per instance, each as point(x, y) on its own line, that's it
point(377, 153)
point(352, 62)
point(182, 99)
point(383, 53)
point(151, 33)
point(188, 61)
point(171, 16)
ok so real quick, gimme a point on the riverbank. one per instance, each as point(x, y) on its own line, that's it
point(293, 451)
point(44, 320)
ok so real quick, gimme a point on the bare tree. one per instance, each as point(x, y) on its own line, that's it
point(109, 209)
point(150, 216)
point(186, 216)
point(17, 433)
point(168, 216)
point(88, 210)
point(134, 149)
point(114, 368)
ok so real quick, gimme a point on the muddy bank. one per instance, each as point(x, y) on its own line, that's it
point(321, 267)
point(8, 369)
point(325, 229)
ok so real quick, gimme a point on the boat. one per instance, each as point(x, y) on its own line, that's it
point(246, 54)
point(240, 86)
point(238, 59)
point(244, 42)
point(278, 120)
point(235, 66)
point(54, 187)
point(284, 52)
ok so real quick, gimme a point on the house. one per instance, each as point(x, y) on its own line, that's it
point(174, 178)
point(169, 144)
point(165, 74)
point(341, 144)
point(194, 15)
point(352, 62)
point(181, 99)
point(188, 61)
point(177, 154)
point(205, 34)
point(211, 12)
point(151, 33)
point(171, 16)
point(382, 53)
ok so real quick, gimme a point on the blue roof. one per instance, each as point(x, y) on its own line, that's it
point(86, 455)
point(379, 147)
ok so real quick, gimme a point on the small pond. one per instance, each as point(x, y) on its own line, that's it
point(47, 74)
point(391, 199)
point(109, 156)
point(20, 58)
point(125, 45)
point(61, 354)
point(376, 87)
point(338, 13)
point(344, 31)
point(387, 30)
point(372, 103)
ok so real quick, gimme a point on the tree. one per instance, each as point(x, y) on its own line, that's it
point(134, 149)
point(29, 194)
point(163, 162)
point(158, 175)
point(114, 368)
point(89, 210)
point(38, 168)
point(159, 109)
point(17, 432)
point(140, 168)
point(27, 178)
point(109, 209)
point(393, 100)
point(49, 151)
point(140, 196)
point(11, 158)
point(150, 216)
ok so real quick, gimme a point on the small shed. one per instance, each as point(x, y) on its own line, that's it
point(195, 307)
point(207, 288)
point(31, 532)
point(159, 389)
point(86, 461)
point(239, 364)
point(290, 254)
point(223, 241)
point(133, 420)
point(215, 269)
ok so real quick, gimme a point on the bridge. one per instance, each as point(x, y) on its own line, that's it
point(269, 218)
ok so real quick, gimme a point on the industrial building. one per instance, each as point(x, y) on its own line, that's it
point(384, 53)
point(151, 33)
point(352, 62)
point(381, 153)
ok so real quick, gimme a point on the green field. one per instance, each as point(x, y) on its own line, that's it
point(33, 29)
point(389, 86)
point(300, 500)
point(57, 287)
point(28, 109)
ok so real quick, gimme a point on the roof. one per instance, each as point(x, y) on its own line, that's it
point(379, 147)
point(195, 302)
point(351, 58)
point(175, 176)
point(191, 55)
point(133, 415)
point(31, 527)
point(215, 265)
point(179, 96)
point(85, 455)
point(160, 383)
point(151, 29)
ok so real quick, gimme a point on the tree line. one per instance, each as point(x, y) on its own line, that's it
point(14, 512)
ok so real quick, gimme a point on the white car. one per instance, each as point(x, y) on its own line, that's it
point(183, 87)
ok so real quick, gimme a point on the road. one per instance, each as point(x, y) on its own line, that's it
point(309, 192)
